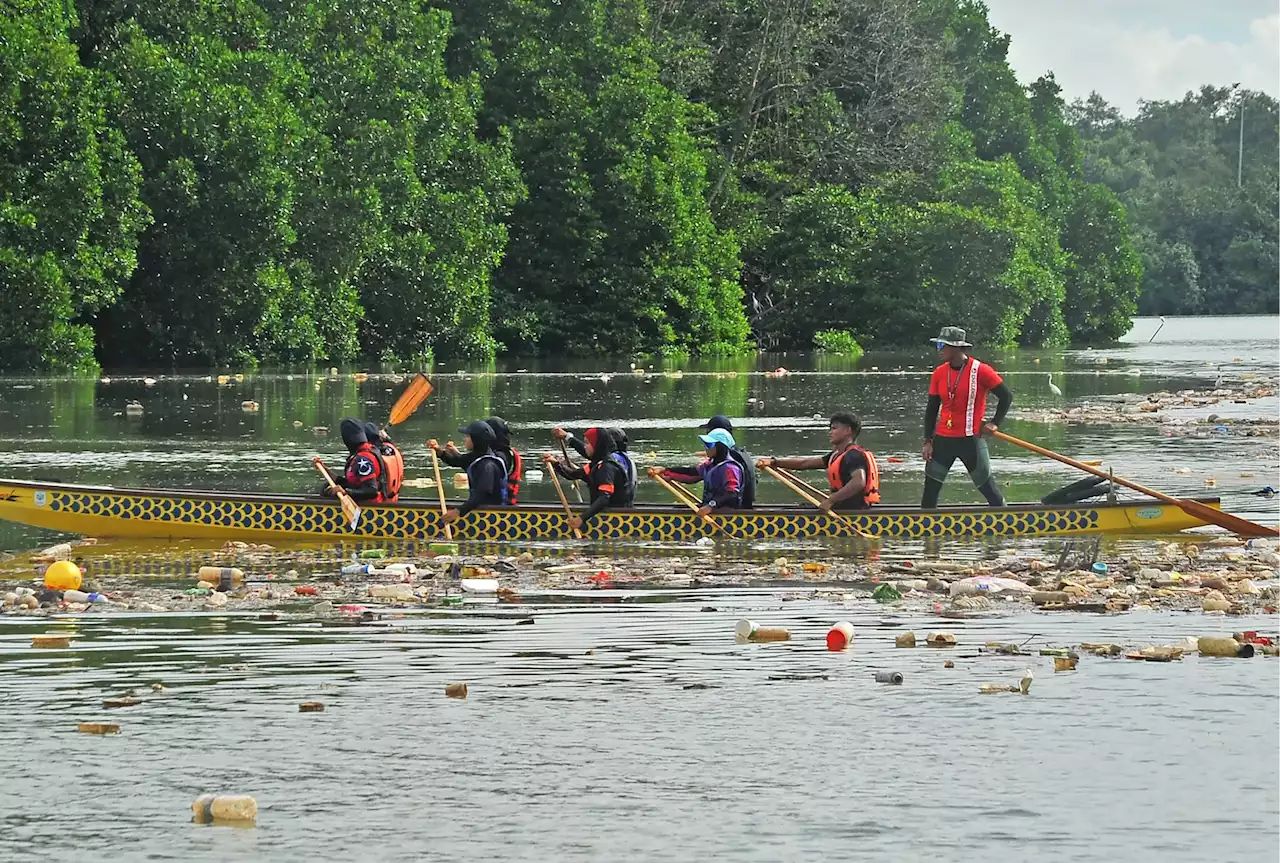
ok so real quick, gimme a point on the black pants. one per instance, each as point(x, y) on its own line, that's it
point(972, 452)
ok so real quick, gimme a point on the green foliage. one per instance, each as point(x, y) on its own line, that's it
point(615, 249)
point(69, 208)
point(1207, 245)
point(218, 181)
point(839, 342)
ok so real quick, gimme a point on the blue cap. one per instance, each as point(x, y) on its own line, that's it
point(716, 436)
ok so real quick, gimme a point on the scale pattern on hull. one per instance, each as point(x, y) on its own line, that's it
point(324, 518)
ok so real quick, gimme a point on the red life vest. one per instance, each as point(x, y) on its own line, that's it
point(364, 464)
point(870, 493)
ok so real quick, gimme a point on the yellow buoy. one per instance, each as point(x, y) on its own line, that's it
point(62, 575)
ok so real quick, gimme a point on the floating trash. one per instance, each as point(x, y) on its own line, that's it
point(748, 630)
point(1213, 646)
point(456, 690)
point(893, 677)
point(886, 593)
point(98, 728)
point(906, 639)
point(224, 809)
point(63, 575)
point(840, 636)
point(311, 707)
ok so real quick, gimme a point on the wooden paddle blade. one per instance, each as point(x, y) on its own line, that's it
point(413, 396)
point(350, 511)
point(1233, 523)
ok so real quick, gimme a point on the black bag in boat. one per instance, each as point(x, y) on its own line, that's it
point(1076, 492)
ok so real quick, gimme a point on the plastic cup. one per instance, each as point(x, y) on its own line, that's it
point(840, 636)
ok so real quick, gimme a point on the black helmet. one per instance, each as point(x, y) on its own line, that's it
point(481, 434)
point(619, 438)
point(501, 431)
point(719, 421)
point(353, 433)
point(374, 434)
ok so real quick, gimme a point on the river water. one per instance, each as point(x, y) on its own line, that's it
point(588, 735)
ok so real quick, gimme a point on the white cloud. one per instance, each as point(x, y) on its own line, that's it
point(1129, 50)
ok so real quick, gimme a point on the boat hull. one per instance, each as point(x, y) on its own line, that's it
point(160, 514)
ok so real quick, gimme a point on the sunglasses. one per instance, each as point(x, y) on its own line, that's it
point(940, 344)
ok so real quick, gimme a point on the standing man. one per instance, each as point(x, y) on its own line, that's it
point(953, 424)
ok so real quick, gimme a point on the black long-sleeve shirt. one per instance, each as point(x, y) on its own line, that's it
point(606, 479)
point(487, 485)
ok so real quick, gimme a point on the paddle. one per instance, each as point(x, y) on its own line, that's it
point(1233, 523)
point(791, 483)
point(676, 492)
point(569, 463)
point(350, 511)
point(564, 501)
point(435, 464)
point(413, 396)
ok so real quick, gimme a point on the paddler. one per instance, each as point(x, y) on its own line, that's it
point(619, 454)
point(953, 423)
point(605, 476)
point(744, 460)
point(392, 465)
point(852, 472)
point(720, 475)
point(364, 474)
point(451, 455)
point(486, 471)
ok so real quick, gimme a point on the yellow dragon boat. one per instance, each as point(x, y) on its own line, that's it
point(162, 514)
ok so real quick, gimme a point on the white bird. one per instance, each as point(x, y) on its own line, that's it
point(1053, 388)
point(1025, 684)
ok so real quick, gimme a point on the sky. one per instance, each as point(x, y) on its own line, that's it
point(1142, 49)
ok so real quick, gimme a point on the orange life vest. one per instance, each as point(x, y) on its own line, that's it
point(870, 493)
point(393, 462)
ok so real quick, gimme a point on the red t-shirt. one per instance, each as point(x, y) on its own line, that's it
point(964, 397)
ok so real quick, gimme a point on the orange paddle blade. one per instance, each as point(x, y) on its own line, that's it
point(413, 396)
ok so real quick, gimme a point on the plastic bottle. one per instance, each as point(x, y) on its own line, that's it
point(358, 569)
point(894, 677)
point(210, 809)
point(75, 596)
point(1224, 647)
point(224, 577)
point(748, 630)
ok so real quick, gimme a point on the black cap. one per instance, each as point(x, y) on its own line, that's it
point(719, 421)
point(499, 426)
point(480, 432)
point(353, 433)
